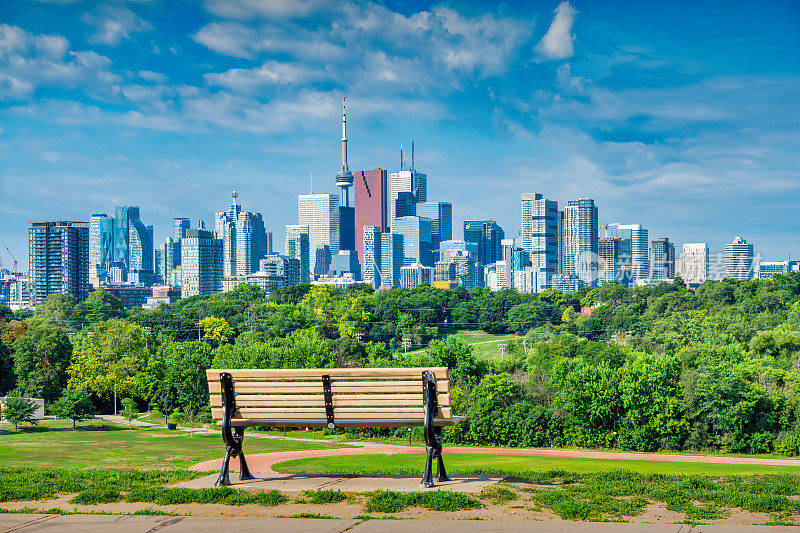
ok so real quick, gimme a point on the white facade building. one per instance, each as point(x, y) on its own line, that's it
point(693, 266)
point(320, 212)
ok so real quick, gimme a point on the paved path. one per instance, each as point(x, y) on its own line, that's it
point(301, 482)
point(26, 523)
point(263, 462)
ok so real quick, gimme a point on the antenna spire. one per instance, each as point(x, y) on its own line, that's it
point(412, 156)
point(401, 157)
point(344, 179)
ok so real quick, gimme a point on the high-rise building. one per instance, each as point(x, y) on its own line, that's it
point(489, 236)
point(694, 262)
point(392, 259)
point(58, 256)
point(179, 227)
point(539, 232)
point(345, 262)
point(415, 274)
point(608, 253)
point(444, 272)
point(98, 245)
point(498, 275)
point(449, 247)
point(322, 260)
point(662, 259)
point(298, 247)
point(320, 212)
point(416, 232)
point(580, 239)
point(371, 264)
point(441, 215)
point(201, 262)
point(469, 272)
point(739, 259)
point(405, 205)
point(767, 269)
point(567, 283)
point(281, 266)
point(122, 242)
point(410, 181)
point(244, 239)
point(634, 251)
point(371, 193)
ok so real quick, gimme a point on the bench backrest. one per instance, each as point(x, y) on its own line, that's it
point(358, 394)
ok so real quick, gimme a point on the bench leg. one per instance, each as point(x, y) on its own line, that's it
point(441, 474)
point(224, 478)
point(427, 476)
point(244, 471)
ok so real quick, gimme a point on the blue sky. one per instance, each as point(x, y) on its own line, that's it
point(681, 116)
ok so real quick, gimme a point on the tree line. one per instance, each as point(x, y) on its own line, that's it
point(644, 368)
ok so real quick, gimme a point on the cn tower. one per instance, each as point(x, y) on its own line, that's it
point(344, 179)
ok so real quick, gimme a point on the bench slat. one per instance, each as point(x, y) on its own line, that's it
point(311, 387)
point(345, 423)
point(341, 413)
point(241, 374)
point(313, 400)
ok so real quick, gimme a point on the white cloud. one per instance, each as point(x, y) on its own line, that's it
point(29, 61)
point(247, 9)
point(113, 24)
point(557, 42)
point(155, 77)
point(270, 73)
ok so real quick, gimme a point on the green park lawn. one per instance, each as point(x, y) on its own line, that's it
point(101, 444)
point(484, 345)
point(412, 464)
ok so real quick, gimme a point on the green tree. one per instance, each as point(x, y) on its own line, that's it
point(525, 316)
point(458, 357)
point(75, 405)
point(59, 309)
point(216, 329)
point(100, 306)
point(18, 409)
point(130, 410)
point(7, 377)
point(41, 357)
point(115, 353)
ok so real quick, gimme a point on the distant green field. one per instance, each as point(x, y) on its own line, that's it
point(101, 444)
point(412, 464)
point(485, 344)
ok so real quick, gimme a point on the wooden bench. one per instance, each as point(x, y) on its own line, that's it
point(331, 397)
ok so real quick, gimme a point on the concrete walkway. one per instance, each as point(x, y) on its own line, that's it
point(26, 523)
point(299, 483)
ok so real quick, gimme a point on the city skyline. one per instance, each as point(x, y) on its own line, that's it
point(697, 150)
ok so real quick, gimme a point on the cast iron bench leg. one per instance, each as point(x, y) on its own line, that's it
point(224, 478)
point(441, 474)
point(244, 471)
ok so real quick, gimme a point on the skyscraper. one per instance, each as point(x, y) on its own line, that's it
point(201, 262)
point(416, 232)
point(608, 252)
point(662, 259)
point(634, 249)
point(122, 242)
point(320, 212)
point(392, 259)
point(58, 256)
point(489, 236)
point(371, 205)
point(179, 227)
point(441, 215)
point(739, 259)
point(580, 239)
point(410, 181)
point(298, 247)
point(539, 232)
point(415, 274)
point(371, 262)
point(244, 239)
point(98, 245)
point(694, 262)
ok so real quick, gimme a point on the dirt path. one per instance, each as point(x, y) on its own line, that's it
point(263, 462)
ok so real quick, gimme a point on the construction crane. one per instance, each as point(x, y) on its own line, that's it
point(9, 253)
point(606, 228)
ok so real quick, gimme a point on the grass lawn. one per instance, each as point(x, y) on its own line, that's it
point(101, 444)
point(485, 344)
point(412, 464)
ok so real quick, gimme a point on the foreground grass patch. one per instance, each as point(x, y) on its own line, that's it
point(221, 495)
point(21, 484)
point(387, 501)
point(412, 464)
